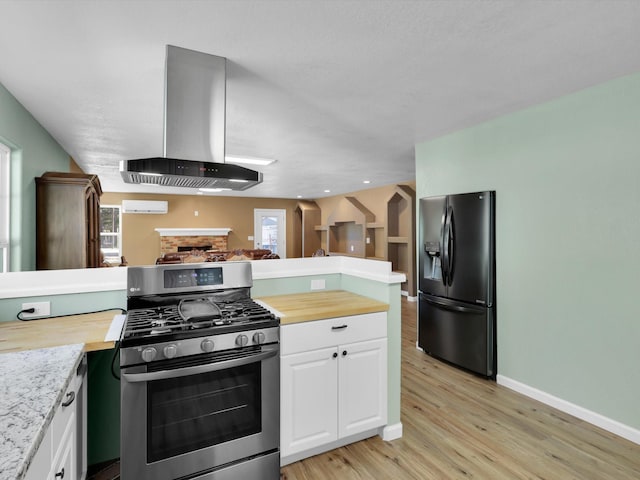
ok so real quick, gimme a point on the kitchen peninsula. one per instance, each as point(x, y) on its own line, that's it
point(79, 291)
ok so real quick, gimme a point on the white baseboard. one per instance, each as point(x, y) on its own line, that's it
point(582, 413)
point(404, 293)
point(391, 432)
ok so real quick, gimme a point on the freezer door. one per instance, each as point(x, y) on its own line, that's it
point(431, 221)
point(469, 247)
point(458, 333)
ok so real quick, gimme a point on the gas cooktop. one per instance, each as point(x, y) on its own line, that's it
point(193, 317)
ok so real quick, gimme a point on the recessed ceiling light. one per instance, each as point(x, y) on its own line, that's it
point(248, 160)
point(299, 196)
point(327, 191)
point(366, 181)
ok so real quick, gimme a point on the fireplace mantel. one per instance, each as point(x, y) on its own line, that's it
point(193, 232)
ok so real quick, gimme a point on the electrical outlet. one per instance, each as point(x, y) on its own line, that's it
point(318, 284)
point(352, 248)
point(196, 213)
point(41, 309)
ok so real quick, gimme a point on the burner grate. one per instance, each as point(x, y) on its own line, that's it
point(167, 319)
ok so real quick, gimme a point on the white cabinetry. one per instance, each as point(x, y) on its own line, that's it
point(62, 452)
point(333, 388)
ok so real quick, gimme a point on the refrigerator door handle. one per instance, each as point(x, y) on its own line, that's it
point(453, 308)
point(444, 261)
point(450, 248)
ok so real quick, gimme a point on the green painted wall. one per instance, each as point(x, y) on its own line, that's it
point(286, 285)
point(33, 152)
point(567, 176)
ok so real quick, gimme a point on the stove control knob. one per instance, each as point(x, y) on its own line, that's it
point(170, 351)
point(207, 345)
point(149, 354)
point(242, 340)
point(258, 338)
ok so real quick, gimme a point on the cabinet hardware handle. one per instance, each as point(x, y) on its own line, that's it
point(71, 396)
point(344, 353)
point(340, 327)
point(60, 474)
point(335, 354)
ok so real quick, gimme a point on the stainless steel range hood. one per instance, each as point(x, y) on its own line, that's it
point(194, 129)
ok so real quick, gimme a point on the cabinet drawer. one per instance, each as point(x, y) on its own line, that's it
point(63, 413)
point(305, 336)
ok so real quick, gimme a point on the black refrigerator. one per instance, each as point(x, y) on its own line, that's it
point(457, 294)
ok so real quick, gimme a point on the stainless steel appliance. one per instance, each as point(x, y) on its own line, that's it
point(200, 376)
point(457, 298)
point(194, 129)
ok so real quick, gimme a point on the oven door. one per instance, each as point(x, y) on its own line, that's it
point(190, 417)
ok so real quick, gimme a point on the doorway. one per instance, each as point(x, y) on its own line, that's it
point(269, 230)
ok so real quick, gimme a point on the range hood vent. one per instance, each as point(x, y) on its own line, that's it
point(194, 129)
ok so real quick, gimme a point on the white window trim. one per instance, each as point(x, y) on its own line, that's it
point(5, 197)
point(118, 234)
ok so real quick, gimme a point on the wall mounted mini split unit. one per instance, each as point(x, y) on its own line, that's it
point(145, 206)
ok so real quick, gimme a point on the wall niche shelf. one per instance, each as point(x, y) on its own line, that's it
point(352, 230)
point(305, 230)
point(401, 234)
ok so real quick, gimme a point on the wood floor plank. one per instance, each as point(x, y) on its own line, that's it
point(460, 426)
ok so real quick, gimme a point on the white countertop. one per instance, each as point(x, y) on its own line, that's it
point(32, 385)
point(60, 282)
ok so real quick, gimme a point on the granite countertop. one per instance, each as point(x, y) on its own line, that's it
point(32, 386)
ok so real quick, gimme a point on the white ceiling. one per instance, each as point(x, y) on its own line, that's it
point(337, 91)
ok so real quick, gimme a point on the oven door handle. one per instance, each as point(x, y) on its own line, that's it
point(209, 367)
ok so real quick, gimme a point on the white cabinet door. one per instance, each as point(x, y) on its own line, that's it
point(62, 453)
point(362, 386)
point(308, 399)
point(41, 462)
point(64, 462)
point(64, 465)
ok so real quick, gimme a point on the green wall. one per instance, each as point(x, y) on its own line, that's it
point(33, 152)
point(567, 176)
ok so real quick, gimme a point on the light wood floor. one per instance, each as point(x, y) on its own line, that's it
point(457, 425)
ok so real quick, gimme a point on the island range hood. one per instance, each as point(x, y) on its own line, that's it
point(194, 129)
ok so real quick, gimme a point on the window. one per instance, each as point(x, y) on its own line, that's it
point(110, 233)
point(5, 156)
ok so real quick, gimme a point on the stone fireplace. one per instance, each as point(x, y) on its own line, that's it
point(174, 239)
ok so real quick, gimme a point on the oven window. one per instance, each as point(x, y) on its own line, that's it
point(198, 411)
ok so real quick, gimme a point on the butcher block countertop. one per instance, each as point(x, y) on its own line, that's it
point(318, 305)
point(89, 329)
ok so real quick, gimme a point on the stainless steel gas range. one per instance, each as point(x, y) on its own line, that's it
point(200, 375)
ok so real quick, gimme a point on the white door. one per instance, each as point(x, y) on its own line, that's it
point(269, 230)
point(308, 400)
point(362, 386)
